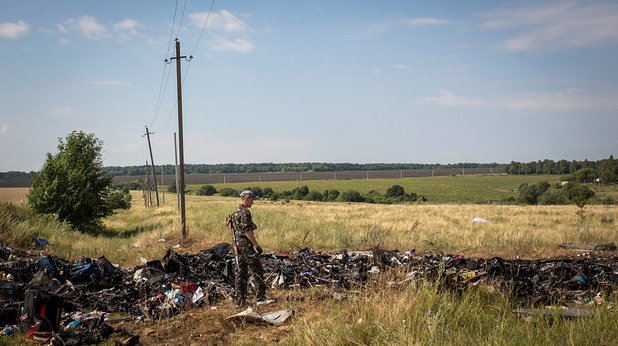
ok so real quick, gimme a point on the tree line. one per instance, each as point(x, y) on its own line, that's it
point(606, 170)
point(289, 167)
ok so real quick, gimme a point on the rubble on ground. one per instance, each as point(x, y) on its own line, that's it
point(90, 289)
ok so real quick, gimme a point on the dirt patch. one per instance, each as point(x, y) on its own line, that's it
point(209, 326)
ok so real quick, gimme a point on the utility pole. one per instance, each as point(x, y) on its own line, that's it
point(176, 173)
point(162, 184)
point(148, 185)
point(181, 168)
point(154, 175)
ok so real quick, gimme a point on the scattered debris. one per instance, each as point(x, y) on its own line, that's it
point(598, 247)
point(91, 288)
point(276, 318)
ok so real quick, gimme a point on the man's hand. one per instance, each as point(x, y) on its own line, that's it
point(253, 227)
point(258, 249)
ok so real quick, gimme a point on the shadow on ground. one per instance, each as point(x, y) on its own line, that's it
point(124, 233)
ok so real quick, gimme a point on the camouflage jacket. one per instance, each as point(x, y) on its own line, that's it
point(241, 221)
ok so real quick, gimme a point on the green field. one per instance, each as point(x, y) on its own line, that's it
point(445, 189)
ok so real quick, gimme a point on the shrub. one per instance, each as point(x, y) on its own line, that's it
point(351, 196)
point(395, 191)
point(313, 196)
point(206, 190)
point(529, 193)
point(229, 192)
point(553, 197)
point(118, 199)
point(330, 195)
point(579, 194)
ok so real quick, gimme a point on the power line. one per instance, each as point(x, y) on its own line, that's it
point(160, 95)
point(181, 18)
point(203, 27)
point(184, 79)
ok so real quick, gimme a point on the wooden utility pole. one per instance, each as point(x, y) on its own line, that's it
point(162, 185)
point(154, 175)
point(176, 173)
point(181, 152)
point(148, 185)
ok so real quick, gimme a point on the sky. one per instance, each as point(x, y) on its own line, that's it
point(311, 81)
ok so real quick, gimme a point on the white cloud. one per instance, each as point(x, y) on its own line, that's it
point(562, 100)
point(14, 30)
point(86, 26)
point(378, 28)
point(63, 41)
point(4, 128)
point(108, 82)
point(376, 71)
point(557, 25)
point(425, 21)
point(402, 67)
point(222, 20)
point(236, 45)
point(128, 24)
point(65, 111)
point(89, 27)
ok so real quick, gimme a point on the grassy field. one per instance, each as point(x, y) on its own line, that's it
point(380, 314)
point(446, 189)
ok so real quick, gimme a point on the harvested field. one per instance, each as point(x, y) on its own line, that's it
point(13, 194)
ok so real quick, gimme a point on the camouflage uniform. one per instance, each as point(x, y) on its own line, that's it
point(247, 257)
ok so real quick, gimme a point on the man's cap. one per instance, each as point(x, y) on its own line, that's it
point(248, 193)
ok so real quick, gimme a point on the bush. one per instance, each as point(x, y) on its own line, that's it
point(172, 187)
point(229, 192)
point(351, 196)
point(579, 194)
point(118, 199)
point(267, 192)
point(206, 190)
point(529, 194)
point(395, 191)
point(330, 195)
point(137, 184)
point(313, 196)
point(553, 197)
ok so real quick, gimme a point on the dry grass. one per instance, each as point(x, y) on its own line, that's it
point(525, 231)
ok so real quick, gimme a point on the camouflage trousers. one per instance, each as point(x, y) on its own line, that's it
point(248, 258)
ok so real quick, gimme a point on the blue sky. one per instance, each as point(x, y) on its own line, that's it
point(327, 81)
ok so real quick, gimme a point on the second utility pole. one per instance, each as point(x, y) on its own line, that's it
point(154, 175)
point(181, 153)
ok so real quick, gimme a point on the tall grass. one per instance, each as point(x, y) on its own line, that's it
point(426, 315)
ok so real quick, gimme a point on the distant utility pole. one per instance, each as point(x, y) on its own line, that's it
point(181, 168)
point(176, 173)
point(162, 184)
point(148, 185)
point(154, 175)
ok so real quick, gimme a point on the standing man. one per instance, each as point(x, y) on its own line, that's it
point(247, 251)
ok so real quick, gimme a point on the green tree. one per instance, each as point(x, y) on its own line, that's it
point(607, 170)
point(71, 185)
point(579, 194)
point(584, 175)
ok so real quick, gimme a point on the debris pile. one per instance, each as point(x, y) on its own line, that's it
point(87, 290)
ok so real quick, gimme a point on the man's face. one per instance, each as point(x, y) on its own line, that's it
point(247, 201)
